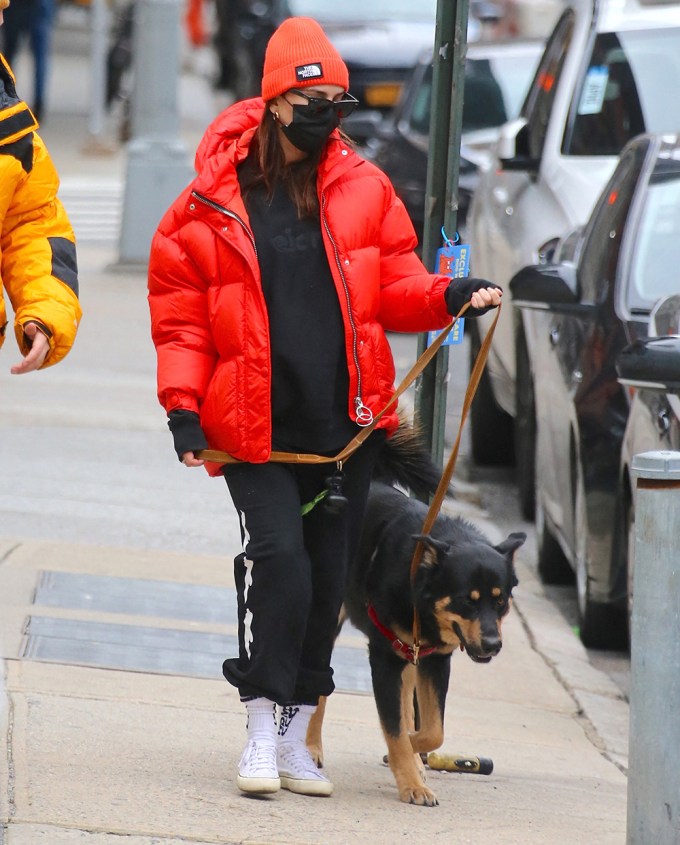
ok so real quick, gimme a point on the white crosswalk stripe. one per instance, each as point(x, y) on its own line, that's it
point(94, 207)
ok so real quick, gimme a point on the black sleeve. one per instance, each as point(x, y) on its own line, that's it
point(186, 432)
point(459, 292)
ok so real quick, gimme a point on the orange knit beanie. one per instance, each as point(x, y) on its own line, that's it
point(300, 55)
point(3, 4)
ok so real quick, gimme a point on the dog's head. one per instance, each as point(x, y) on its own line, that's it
point(463, 590)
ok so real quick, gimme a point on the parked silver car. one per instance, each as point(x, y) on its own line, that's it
point(608, 73)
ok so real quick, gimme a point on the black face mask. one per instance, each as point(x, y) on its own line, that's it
point(309, 132)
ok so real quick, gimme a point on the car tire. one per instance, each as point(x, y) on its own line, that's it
point(491, 429)
point(602, 626)
point(525, 430)
point(552, 564)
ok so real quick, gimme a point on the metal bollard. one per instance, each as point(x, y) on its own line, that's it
point(158, 166)
point(99, 30)
point(654, 743)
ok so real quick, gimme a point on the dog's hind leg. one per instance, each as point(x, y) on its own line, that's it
point(314, 732)
point(393, 685)
point(432, 681)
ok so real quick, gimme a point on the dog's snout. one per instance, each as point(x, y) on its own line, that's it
point(492, 645)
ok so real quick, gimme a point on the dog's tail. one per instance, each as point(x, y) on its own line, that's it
point(404, 460)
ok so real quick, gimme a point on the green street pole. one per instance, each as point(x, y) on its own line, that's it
point(441, 198)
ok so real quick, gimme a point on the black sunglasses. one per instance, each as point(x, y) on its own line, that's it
point(320, 105)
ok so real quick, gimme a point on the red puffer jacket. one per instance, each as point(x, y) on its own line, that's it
point(208, 313)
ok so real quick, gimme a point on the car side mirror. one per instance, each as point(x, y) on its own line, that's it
point(653, 364)
point(512, 147)
point(665, 317)
point(546, 287)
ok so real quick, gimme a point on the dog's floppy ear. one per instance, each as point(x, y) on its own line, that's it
point(511, 543)
point(433, 548)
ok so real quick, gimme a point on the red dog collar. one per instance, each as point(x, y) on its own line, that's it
point(406, 650)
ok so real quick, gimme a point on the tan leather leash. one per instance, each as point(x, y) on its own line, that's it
point(440, 493)
point(216, 456)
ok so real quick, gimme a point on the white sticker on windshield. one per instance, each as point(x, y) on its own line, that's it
point(594, 89)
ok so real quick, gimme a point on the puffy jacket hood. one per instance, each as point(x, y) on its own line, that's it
point(16, 119)
point(233, 128)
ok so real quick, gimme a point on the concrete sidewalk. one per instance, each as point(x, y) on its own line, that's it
point(94, 754)
point(116, 606)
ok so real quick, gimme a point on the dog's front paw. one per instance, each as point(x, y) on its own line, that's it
point(420, 795)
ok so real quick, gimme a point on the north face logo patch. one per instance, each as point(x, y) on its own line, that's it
point(314, 71)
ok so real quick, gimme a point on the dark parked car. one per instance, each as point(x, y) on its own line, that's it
point(651, 369)
point(594, 299)
point(497, 76)
point(379, 40)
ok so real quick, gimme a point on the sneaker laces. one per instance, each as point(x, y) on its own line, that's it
point(295, 760)
point(259, 759)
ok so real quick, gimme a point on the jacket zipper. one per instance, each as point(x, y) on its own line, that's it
point(227, 213)
point(363, 414)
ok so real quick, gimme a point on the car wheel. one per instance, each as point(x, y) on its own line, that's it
point(491, 429)
point(525, 431)
point(553, 566)
point(602, 626)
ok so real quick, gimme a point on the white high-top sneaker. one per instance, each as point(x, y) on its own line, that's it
point(297, 770)
point(257, 771)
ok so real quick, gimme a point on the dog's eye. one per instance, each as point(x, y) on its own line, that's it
point(501, 601)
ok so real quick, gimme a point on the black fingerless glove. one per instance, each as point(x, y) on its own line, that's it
point(186, 431)
point(459, 292)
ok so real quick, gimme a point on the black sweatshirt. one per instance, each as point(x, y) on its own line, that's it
point(310, 380)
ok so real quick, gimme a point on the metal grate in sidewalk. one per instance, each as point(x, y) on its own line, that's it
point(142, 648)
point(159, 651)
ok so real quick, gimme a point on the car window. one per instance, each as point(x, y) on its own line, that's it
point(605, 230)
point(540, 98)
point(495, 88)
point(361, 10)
point(655, 256)
point(624, 91)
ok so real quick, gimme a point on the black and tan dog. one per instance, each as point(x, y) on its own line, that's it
point(462, 592)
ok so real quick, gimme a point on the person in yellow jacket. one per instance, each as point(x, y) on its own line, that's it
point(38, 267)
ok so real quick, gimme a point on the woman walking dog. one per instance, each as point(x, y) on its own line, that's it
point(272, 281)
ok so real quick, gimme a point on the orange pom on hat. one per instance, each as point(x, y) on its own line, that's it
point(300, 55)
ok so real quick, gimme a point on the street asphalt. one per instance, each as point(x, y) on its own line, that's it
point(116, 608)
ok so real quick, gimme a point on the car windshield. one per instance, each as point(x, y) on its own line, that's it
point(365, 10)
point(625, 91)
point(655, 256)
point(494, 91)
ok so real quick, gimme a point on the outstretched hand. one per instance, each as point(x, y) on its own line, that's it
point(36, 355)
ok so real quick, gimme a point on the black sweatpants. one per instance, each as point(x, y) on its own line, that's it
point(290, 579)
